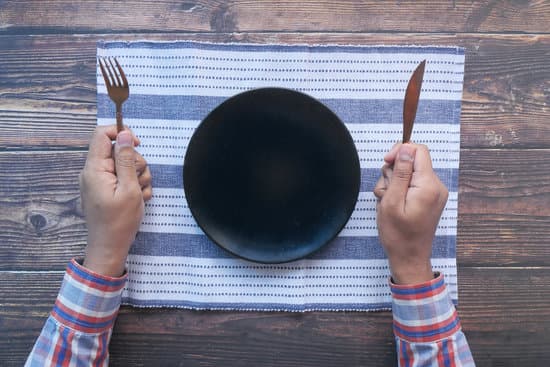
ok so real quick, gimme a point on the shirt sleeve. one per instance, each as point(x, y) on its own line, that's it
point(426, 326)
point(78, 330)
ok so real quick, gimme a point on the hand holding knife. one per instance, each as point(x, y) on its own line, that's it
point(411, 199)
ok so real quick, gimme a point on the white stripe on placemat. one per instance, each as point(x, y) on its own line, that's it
point(233, 281)
point(323, 75)
point(166, 141)
point(168, 212)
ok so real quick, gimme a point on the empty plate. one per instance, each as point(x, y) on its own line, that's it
point(271, 175)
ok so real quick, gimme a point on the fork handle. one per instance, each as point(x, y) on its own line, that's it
point(119, 125)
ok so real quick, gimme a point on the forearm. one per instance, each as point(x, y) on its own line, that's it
point(426, 326)
point(80, 324)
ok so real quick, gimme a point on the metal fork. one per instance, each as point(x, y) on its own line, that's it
point(117, 85)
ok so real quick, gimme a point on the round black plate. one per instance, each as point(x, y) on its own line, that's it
point(271, 175)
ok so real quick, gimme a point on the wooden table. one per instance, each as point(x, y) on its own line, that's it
point(48, 110)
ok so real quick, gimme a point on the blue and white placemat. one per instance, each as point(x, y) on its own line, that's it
point(173, 85)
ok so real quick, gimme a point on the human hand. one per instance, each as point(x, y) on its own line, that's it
point(411, 199)
point(114, 184)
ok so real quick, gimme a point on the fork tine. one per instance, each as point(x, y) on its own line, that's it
point(124, 80)
point(118, 82)
point(104, 73)
point(110, 72)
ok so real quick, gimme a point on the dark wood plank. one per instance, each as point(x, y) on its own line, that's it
point(504, 314)
point(504, 196)
point(514, 182)
point(40, 216)
point(48, 94)
point(503, 209)
point(42, 16)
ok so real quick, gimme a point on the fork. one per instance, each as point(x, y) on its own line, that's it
point(117, 85)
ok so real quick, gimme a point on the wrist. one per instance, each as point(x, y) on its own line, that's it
point(411, 272)
point(105, 267)
point(105, 261)
point(108, 269)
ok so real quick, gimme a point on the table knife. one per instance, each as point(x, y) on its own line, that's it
point(410, 103)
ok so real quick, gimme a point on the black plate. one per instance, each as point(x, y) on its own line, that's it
point(271, 175)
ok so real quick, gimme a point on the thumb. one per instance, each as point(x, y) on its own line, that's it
point(125, 159)
point(401, 176)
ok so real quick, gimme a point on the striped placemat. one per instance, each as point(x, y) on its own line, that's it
point(174, 85)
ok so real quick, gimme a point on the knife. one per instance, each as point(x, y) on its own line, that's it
point(410, 103)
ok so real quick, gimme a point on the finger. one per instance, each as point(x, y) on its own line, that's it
point(380, 188)
point(141, 164)
point(387, 172)
point(136, 139)
point(125, 161)
point(390, 156)
point(422, 160)
point(145, 178)
point(443, 195)
point(383, 182)
point(101, 142)
point(396, 191)
point(147, 193)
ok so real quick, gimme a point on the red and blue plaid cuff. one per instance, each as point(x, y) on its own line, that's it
point(423, 312)
point(88, 302)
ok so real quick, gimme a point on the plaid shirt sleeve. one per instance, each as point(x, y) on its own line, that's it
point(426, 326)
point(78, 330)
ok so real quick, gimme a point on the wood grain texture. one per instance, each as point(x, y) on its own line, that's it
point(500, 329)
point(63, 16)
point(503, 209)
point(40, 216)
point(48, 93)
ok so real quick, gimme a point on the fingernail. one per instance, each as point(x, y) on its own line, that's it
point(406, 153)
point(124, 138)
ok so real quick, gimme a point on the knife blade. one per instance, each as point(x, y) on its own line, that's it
point(410, 103)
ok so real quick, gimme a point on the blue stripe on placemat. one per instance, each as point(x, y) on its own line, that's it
point(257, 306)
point(194, 245)
point(170, 176)
point(351, 111)
point(280, 48)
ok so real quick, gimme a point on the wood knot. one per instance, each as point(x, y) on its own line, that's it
point(41, 220)
point(38, 221)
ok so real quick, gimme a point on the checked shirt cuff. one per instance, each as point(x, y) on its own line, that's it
point(88, 302)
point(423, 313)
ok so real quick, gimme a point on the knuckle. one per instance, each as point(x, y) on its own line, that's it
point(141, 163)
point(387, 171)
point(432, 194)
point(146, 175)
point(83, 177)
point(143, 183)
point(390, 205)
point(401, 173)
point(444, 192)
point(378, 192)
point(126, 159)
point(133, 193)
point(444, 195)
point(423, 147)
point(147, 193)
